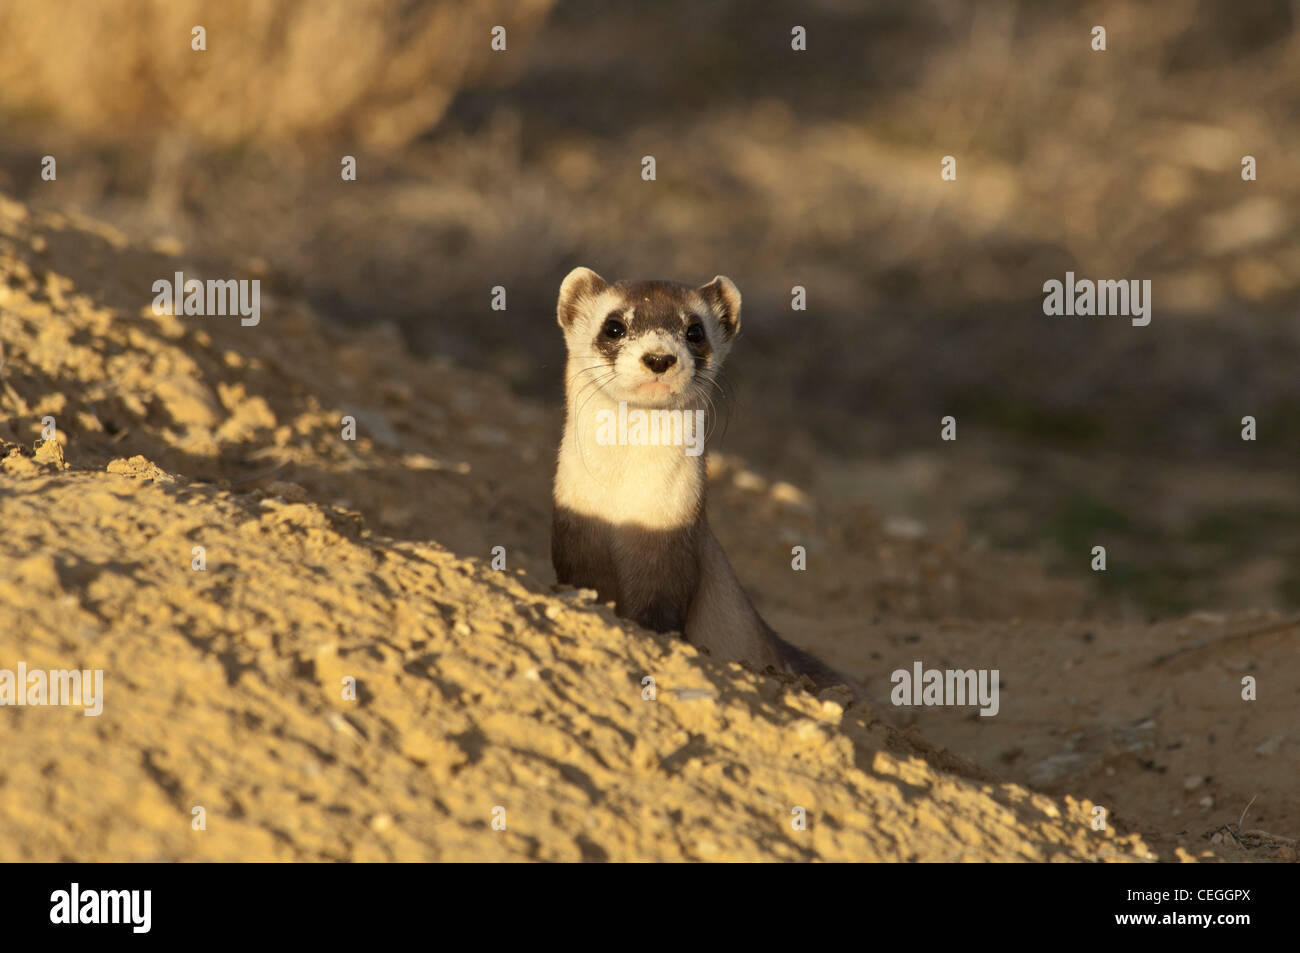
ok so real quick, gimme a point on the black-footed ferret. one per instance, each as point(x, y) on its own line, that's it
point(630, 486)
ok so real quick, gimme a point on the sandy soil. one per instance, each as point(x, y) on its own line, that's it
point(481, 689)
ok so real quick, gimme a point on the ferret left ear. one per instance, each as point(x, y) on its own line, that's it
point(578, 285)
point(723, 297)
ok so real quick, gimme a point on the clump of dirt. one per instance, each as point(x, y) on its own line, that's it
point(310, 649)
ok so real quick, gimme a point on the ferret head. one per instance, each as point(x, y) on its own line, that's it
point(649, 343)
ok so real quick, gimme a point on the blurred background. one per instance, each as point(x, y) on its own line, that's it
point(778, 168)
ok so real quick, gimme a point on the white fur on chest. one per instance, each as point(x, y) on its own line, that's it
point(655, 487)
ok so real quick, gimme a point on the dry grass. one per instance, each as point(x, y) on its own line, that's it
point(375, 72)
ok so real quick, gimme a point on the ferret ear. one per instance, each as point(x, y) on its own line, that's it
point(723, 297)
point(579, 284)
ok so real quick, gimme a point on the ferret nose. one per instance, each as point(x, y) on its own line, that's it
point(658, 362)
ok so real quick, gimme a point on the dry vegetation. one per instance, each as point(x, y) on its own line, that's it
point(377, 73)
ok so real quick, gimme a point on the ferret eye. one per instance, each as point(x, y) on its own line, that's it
point(614, 328)
point(695, 333)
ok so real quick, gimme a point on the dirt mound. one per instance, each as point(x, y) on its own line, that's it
point(476, 691)
point(305, 635)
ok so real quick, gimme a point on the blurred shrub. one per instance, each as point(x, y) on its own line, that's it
point(377, 72)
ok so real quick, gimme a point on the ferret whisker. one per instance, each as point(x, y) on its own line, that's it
point(594, 367)
point(726, 405)
point(592, 382)
point(702, 394)
point(597, 384)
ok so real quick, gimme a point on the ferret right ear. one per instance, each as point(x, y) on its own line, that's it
point(578, 285)
point(723, 297)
